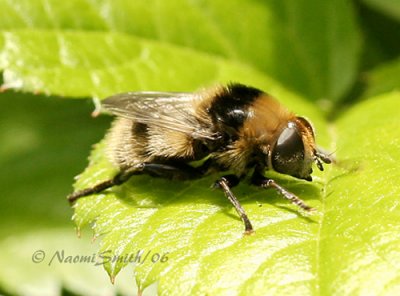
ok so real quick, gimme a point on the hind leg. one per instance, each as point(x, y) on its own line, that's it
point(183, 172)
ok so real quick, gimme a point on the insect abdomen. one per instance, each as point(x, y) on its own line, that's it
point(131, 143)
point(127, 142)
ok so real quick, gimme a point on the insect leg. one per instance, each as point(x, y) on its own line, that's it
point(119, 178)
point(154, 169)
point(225, 183)
point(259, 180)
point(175, 172)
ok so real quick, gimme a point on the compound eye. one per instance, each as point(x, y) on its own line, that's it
point(288, 153)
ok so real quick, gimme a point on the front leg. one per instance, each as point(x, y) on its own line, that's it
point(259, 180)
point(225, 183)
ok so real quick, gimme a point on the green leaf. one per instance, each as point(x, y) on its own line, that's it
point(78, 71)
point(194, 227)
point(359, 236)
point(67, 264)
point(44, 142)
point(199, 233)
point(388, 7)
point(96, 48)
point(384, 78)
point(319, 43)
point(311, 46)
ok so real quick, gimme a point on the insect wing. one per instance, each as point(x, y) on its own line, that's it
point(170, 110)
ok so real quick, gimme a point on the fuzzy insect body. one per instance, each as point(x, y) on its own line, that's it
point(236, 127)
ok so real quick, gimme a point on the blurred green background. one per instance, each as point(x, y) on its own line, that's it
point(332, 54)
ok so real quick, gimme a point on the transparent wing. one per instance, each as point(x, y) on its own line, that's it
point(170, 110)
